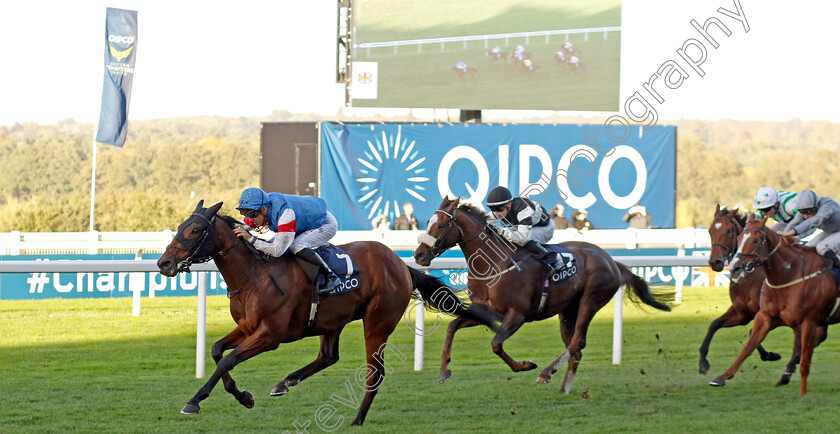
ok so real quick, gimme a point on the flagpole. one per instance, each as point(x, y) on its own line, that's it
point(93, 180)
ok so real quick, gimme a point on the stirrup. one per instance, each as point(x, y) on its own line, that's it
point(332, 282)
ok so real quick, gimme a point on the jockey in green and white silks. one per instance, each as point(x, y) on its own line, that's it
point(777, 204)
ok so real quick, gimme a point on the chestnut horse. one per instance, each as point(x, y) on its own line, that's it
point(505, 278)
point(744, 293)
point(798, 291)
point(269, 312)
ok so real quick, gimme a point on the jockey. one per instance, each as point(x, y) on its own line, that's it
point(560, 55)
point(778, 205)
point(300, 223)
point(574, 61)
point(496, 51)
point(462, 66)
point(822, 213)
point(519, 53)
point(524, 223)
point(568, 47)
point(527, 63)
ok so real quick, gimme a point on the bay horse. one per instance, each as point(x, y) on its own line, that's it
point(505, 279)
point(798, 291)
point(271, 311)
point(469, 70)
point(743, 292)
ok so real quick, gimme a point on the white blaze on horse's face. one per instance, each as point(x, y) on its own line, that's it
point(718, 225)
point(737, 257)
point(426, 238)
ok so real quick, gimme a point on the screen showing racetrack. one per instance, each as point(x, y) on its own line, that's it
point(479, 54)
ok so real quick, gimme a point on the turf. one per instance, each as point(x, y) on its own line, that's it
point(88, 365)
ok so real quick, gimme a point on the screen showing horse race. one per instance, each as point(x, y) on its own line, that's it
point(478, 54)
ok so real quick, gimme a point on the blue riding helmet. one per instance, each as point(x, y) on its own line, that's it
point(253, 198)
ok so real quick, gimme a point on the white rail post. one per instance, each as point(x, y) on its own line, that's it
point(136, 283)
point(678, 285)
point(617, 325)
point(419, 331)
point(201, 326)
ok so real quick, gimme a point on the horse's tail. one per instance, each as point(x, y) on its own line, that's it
point(641, 289)
point(443, 298)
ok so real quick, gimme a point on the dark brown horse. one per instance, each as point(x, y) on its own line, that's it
point(269, 312)
point(744, 292)
point(798, 291)
point(505, 278)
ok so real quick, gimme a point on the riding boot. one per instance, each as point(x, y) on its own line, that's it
point(832, 258)
point(310, 256)
point(540, 252)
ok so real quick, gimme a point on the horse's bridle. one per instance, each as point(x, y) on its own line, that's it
point(438, 249)
point(729, 249)
point(202, 250)
point(749, 267)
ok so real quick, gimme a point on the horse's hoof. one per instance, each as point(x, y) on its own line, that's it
point(542, 379)
point(247, 399)
point(784, 380)
point(190, 409)
point(280, 389)
point(704, 367)
point(444, 375)
point(771, 357)
point(528, 365)
point(718, 382)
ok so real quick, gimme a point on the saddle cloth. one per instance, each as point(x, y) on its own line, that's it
point(569, 269)
point(342, 265)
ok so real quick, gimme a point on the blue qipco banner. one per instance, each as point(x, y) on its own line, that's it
point(368, 170)
point(120, 53)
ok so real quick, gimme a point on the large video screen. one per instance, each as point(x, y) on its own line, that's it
point(479, 54)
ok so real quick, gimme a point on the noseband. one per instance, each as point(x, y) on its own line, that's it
point(749, 267)
point(202, 250)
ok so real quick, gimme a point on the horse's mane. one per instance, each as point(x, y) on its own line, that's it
point(232, 222)
point(740, 217)
point(474, 212)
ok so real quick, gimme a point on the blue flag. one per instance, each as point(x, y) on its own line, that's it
point(120, 52)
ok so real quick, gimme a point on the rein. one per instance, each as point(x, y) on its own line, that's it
point(794, 282)
point(730, 249)
point(196, 257)
point(751, 266)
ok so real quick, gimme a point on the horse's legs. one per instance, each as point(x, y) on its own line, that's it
point(511, 323)
point(790, 369)
point(585, 314)
point(446, 354)
point(567, 330)
point(218, 349)
point(327, 356)
point(761, 326)
point(376, 342)
point(249, 347)
point(808, 331)
point(732, 317)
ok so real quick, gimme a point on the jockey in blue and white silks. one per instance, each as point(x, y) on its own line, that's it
point(300, 224)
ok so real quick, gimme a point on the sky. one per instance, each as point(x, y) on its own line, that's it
point(250, 58)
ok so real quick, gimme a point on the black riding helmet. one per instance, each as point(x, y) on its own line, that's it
point(498, 197)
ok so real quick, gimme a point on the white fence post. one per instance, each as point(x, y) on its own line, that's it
point(419, 332)
point(618, 324)
point(201, 325)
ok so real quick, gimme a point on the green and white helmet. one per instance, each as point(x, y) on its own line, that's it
point(765, 198)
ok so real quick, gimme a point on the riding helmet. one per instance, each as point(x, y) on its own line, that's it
point(807, 199)
point(253, 198)
point(498, 197)
point(765, 197)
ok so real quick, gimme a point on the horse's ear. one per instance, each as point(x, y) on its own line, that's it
point(444, 202)
point(750, 217)
point(200, 206)
point(717, 210)
point(764, 220)
point(213, 210)
point(456, 202)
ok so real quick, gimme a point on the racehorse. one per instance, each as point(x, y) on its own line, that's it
point(271, 311)
point(497, 55)
point(469, 70)
point(504, 278)
point(743, 293)
point(799, 291)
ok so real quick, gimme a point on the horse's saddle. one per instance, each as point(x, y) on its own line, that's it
point(341, 264)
